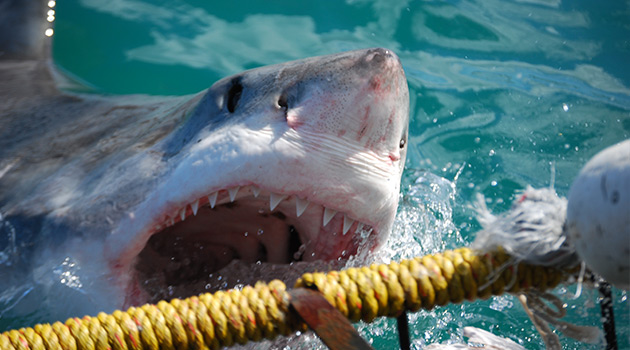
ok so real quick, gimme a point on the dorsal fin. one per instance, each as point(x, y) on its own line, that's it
point(23, 25)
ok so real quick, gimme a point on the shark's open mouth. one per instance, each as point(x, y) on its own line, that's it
point(249, 224)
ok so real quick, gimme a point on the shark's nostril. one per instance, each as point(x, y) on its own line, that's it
point(380, 56)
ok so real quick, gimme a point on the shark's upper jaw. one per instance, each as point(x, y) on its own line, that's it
point(300, 162)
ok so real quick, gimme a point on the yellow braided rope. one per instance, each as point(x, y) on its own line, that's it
point(212, 321)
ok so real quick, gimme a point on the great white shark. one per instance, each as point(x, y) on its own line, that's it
point(120, 197)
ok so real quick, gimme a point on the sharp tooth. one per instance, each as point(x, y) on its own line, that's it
point(170, 222)
point(194, 206)
point(255, 191)
point(212, 199)
point(347, 222)
point(275, 199)
point(328, 215)
point(300, 206)
point(359, 228)
point(182, 214)
point(232, 192)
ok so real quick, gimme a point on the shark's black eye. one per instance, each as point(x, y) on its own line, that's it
point(234, 94)
point(403, 141)
point(283, 102)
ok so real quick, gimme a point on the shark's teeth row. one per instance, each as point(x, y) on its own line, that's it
point(274, 200)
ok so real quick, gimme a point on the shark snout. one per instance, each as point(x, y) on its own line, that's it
point(381, 56)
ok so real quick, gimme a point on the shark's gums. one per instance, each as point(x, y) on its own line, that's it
point(299, 161)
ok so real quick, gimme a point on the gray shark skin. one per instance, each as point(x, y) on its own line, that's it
point(105, 201)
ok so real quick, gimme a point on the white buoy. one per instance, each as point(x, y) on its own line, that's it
point(598, 214)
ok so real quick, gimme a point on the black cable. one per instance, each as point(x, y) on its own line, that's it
point(403, 331)
point(606, 305)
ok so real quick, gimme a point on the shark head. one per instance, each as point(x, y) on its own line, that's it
point(293, 162)
point(119, 198)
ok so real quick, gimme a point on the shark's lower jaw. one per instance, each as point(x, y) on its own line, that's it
point(191, 245)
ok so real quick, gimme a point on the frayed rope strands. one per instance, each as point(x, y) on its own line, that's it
point(212, 321)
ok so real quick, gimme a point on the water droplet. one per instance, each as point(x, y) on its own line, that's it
point(260, 231)
point(493, 183)
point(565, 107)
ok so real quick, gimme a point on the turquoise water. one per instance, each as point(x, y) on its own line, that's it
point(503, 94)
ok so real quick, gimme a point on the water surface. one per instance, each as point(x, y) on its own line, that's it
point(503, 94)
